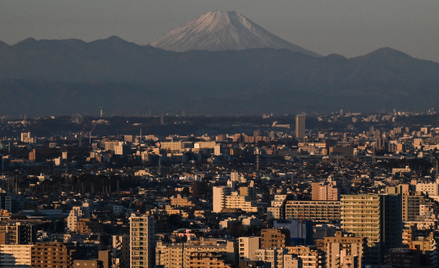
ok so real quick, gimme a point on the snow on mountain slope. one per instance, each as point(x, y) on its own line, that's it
point(218, 30)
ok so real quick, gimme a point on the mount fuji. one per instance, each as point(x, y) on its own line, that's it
point(219, 31)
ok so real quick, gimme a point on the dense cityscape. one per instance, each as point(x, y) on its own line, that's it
point(317, 190)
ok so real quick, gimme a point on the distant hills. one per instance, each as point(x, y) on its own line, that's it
point(62, 77)
point(220, 30)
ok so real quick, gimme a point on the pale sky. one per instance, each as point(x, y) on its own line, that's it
point(346, 27)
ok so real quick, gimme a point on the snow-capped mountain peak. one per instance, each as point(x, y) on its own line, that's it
point(223, 30)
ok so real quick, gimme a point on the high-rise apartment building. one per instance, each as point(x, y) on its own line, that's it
point(142, 241)
point(375, 217)
point(300, 126)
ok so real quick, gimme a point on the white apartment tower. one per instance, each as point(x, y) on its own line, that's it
point(142, 241)
point(219, 197)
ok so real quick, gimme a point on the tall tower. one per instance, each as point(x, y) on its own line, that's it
point(375, 217)
point(361, 216)
point(300, 126)
point(142, 243)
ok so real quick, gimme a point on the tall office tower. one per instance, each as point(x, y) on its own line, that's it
point(300, 126)
point(375, 217)
point(142, 241)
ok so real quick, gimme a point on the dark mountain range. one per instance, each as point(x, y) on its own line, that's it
point(67, 76)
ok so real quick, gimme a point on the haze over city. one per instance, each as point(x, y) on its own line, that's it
point(226, 134)
point(348, 28)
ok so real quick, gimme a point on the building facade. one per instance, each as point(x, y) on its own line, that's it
point(142, 241)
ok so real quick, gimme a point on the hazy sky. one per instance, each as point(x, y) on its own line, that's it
point(347, 27)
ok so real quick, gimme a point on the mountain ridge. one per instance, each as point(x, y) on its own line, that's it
point(61, 77)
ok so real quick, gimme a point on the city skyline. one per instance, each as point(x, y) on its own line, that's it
point(326, 27)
